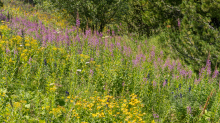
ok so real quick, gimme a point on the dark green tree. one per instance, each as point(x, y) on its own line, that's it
point(1, 4)
point(192, 33)
point(97, 13)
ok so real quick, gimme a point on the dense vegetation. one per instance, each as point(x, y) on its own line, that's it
point(109, 61)
point(193, 26)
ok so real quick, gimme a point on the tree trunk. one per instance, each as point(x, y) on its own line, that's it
point(101, 27)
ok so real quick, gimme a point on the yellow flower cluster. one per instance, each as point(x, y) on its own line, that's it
point(46, 107)
point(53, 89)
point(19, 104)
point(25, 47)
point(84, 57)
point(108, 106)
point(57, 19)
point(2, 94)
point(57, 111)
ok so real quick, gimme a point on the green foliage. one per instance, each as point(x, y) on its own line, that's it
point(191, 29)
point(115, 78)
point(97, 14)
point(1, 4)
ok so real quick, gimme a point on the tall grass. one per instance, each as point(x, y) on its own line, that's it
point(51, 74)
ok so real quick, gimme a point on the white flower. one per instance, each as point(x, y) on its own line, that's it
point(79, 70)
point(87, 62)
point(105, 37)
point(51, 83)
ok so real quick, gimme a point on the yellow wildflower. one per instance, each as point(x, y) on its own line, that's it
point(10, 61)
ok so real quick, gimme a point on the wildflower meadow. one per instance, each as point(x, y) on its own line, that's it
point(51, 71)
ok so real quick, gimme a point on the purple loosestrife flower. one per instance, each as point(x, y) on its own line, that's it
point(122, 60)
point(124, 49)
point(215, 74)
point(178, 65)
point(183, 72)
point(91, 72)
point(77, 22)
point(154, 83)
point(106, 42)
point(119, 38)
point(118, 45)
point(156, 115)
point(113, 33)
point(135, 62)
point(44, 43)
point(208, 66)
point(111, 46)
point(100, 35)
point(170, 67)
point(90, 41)
point(155, 64)
point(189, 110)
point(145, 79)
point(159, 60)
point(96, 42)
point(146, 42)
point(30, 59)
point(17, 19)
point(201, 71)
point(190, 74)
point(129, 51)
point(152, 55)
point(50, 37)
point(167, 63)
point(15, 53)
point(177, 77)
point(179, 22)
point(108, 31)
point(67, 38)
point(161, 53)
point(112, 54)
point(174, 64)
point(77, 37)
point(7, 50)
point(88, 32)
point(123, 84)
point(197, 81)
point(139, 47)
point(164, 83)
point(143, 58)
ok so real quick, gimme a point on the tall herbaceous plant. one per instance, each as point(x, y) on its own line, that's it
point(56, 73)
